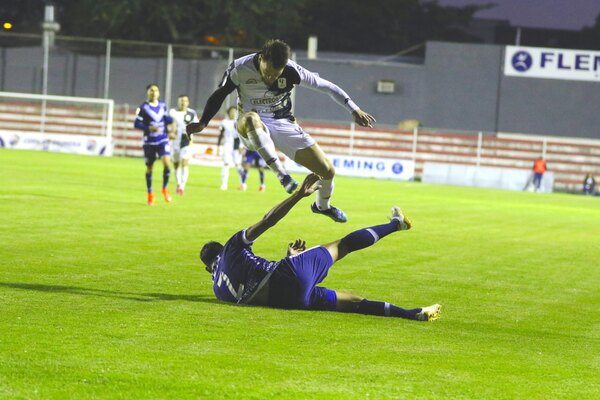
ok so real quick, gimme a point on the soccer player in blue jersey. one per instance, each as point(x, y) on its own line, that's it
point(264, 82)
point(241, 277)
point(154, 120)
point(253, 159)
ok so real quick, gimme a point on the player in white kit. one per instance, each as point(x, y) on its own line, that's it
point(182, 115)
point(264, 82)
point(231, 147)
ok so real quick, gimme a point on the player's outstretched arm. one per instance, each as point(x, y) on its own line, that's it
point(309, 186)
point(213, 104)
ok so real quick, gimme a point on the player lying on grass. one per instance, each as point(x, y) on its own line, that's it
point(239, 276)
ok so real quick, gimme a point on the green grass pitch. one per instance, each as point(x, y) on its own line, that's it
point(102, 296)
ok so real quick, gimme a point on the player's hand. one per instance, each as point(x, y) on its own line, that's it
point(153, 129)
point(311, 184)
point(296, 247)
point(363, 118)
point(194, 127)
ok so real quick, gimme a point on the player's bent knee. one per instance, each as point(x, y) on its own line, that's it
point(250, 121)
point(329, 173)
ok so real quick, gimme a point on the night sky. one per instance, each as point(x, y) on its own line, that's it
point(555, 14)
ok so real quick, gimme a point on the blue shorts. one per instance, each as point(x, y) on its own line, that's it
point(254, 159)
point(293, 283)
point(152, 150)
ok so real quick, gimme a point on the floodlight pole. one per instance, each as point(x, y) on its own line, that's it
point(169, 73)
point(107, 68)
point(50, 28)
point(229, 61)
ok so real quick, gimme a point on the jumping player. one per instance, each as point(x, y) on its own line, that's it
point(182, 115)
point(241, 277)
point(264, 82)
point(231, 147)
point(152, 118)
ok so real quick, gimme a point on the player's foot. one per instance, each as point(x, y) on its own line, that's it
point(430, 313)
point(262, 188)
point(150, 198)
point(404, 223)
point(288, 183)
point(243, 187)
point(179, 190)
point(223, 187)
point(332, 212)
point(167, 195)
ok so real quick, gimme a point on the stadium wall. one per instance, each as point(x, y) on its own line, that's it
point(459, 87)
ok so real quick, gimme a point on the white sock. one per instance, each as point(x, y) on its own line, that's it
point(178, 176)
point(263, 144)
point(224, 175)
point(324, 194)
point(184, 176)
point(240, 171)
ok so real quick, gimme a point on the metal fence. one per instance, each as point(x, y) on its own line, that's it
point(86, 67)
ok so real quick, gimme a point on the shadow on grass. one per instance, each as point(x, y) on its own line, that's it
point(143, 297)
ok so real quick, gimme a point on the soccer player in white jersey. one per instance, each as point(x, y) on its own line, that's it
point(231, 147)
point(182, 115)
point(264, 82)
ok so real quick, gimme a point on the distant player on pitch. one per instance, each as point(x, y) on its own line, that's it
point(264, 82)
point(182, 115)
point(253, 159)
point(239, 276)
point(152, 118)
point(231, 147)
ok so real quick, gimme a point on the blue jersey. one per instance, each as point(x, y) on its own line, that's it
point(147, 116)
point(239, 274)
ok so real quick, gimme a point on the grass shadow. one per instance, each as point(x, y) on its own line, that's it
point(142, 297)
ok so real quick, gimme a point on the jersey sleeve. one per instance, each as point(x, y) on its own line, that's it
point(167, 118)
point(230, 76)
point(312, 80)
point(139, 118)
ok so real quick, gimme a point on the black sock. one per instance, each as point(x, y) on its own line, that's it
point(149, 181)
point(385, 309)
point(366, 237)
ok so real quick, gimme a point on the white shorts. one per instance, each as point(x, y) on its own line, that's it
point(288, 136)
point(181, 154)
point(231, 156)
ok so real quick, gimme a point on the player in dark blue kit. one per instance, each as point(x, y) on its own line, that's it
point(154, 120)
point(241, 277)
point(253, 159)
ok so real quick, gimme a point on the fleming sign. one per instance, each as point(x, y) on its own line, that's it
point(539, 62)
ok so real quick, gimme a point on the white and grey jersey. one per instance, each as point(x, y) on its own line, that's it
point(182, 118)
point(229, 129)
point(275, 101)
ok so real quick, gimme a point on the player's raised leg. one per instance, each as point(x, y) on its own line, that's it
point(316, 161)
point(366, 237)
point(255, 137)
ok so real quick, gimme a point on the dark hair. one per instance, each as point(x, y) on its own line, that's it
point(150, 85)
point(208, 254)
point(277, 52)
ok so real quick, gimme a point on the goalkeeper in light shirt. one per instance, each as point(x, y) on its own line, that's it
point(239, 276)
